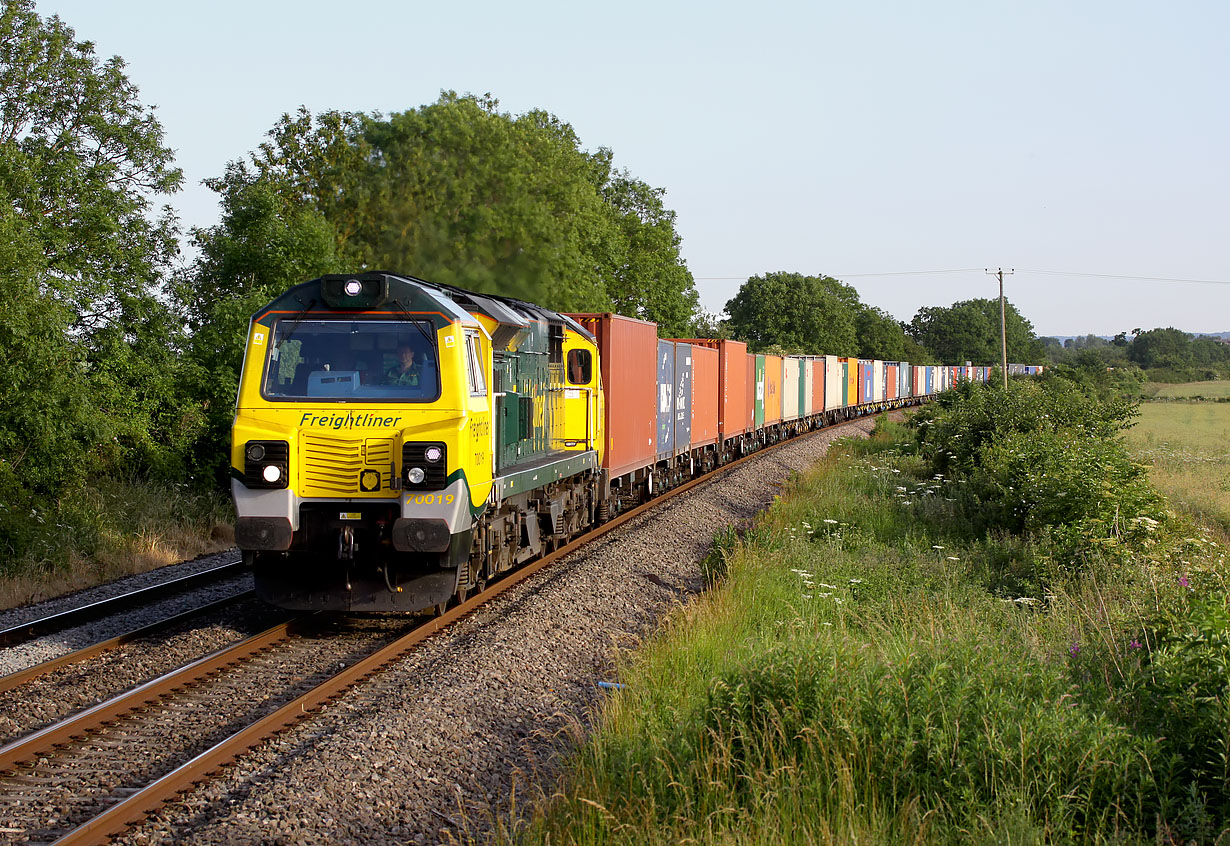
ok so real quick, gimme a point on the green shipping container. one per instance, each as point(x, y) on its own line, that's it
point(845, 383)
point(759, 419)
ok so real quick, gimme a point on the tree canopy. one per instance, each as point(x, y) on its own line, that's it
point(461, 193)
point(969, 331)
point(86, 332)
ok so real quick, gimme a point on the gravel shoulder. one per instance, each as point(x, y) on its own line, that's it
point(454, 740)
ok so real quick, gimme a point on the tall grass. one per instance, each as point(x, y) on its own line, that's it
point(111, 528)
point(873, 667)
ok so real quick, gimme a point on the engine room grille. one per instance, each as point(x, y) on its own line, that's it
point(332, 466)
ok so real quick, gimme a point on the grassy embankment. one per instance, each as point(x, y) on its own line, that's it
point(110, 529)
point(876, 666)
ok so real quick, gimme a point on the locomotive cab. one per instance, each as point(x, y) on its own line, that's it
point(361, 445)
point(396, 442)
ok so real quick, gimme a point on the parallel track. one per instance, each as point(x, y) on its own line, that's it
point(108, 607)
point(21, 677)
point(127, 806)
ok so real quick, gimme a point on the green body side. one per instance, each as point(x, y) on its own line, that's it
point(759, 391)
point(845, 384)
point(523, 416)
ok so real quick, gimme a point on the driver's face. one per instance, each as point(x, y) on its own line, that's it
point(406, 356)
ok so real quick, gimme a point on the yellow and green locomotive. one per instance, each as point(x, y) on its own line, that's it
point(398, 443)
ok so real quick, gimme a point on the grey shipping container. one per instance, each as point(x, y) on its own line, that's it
point(683, 397)
point(666, 399)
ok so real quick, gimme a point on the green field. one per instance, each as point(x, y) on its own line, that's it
point(1187, 449)
point(1218, 389)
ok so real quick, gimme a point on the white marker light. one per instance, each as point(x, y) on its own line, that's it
point(432, 454)
point(415, 475)
point(353, 287)
point(272, 473)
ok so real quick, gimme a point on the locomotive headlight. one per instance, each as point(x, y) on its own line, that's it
point(353, 287)
point(271, 473)
point(433, 454)
point(415, 475)
point(255, 452)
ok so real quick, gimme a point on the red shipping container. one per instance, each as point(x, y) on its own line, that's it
point(817, 384)
point(890, 381)
point(629, 351)
point(734, 402)
point(704, 395)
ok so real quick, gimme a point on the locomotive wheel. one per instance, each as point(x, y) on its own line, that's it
point(439, 608)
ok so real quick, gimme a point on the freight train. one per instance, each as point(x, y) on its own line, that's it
point(398, 443)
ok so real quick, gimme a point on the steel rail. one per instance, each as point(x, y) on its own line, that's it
point(139, 805)
point(20, 677)
point(105, 607)
point(32, 745)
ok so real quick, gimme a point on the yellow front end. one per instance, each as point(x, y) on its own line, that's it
point(357, 480)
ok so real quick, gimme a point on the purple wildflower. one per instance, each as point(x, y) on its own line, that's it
point(1183, 581)
point(1133, 644)
point(1074, 649)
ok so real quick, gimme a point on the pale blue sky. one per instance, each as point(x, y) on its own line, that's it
point(841, 138)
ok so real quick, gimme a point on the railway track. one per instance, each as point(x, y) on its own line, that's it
point(39, 786)
point(54, 623)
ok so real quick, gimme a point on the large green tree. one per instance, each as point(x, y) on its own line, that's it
point(969, 331)
point(461, 193)
point(796, 313)
point(87, 339)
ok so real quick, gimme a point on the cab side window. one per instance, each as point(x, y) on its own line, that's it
point(580, 367)
point(474, 364)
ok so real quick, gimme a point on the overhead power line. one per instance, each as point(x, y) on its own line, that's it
point(1076, 273)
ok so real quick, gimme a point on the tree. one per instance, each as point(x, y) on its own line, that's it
point(85, 339)
point(805, 314)
point(646, 276)
point(879, 336)
point(461, 193)
point(969, 331)
point(1170, 347)
point(81, 160)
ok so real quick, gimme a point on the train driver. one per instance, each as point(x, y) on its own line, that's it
point(406, 370)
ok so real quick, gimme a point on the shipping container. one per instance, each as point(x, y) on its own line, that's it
point(772, 389)
point(850, 392)
point(734, 415)
point(890, 380)
point(931, 379)
point(813, 386)
point(879, 381)
point(905, 379)
point(791, 387)
point(706, 395)
point(866, 381)
point(832, 383)
point(627, 349)
point(759, 381)
point(683, 397)
point(666, 400)
point(920, 380)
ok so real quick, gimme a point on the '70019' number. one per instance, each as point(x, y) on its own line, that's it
point(432, 499)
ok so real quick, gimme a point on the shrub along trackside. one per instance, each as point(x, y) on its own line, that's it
point(982, 627)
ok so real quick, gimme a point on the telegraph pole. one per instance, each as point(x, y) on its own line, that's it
point(1003, 326)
